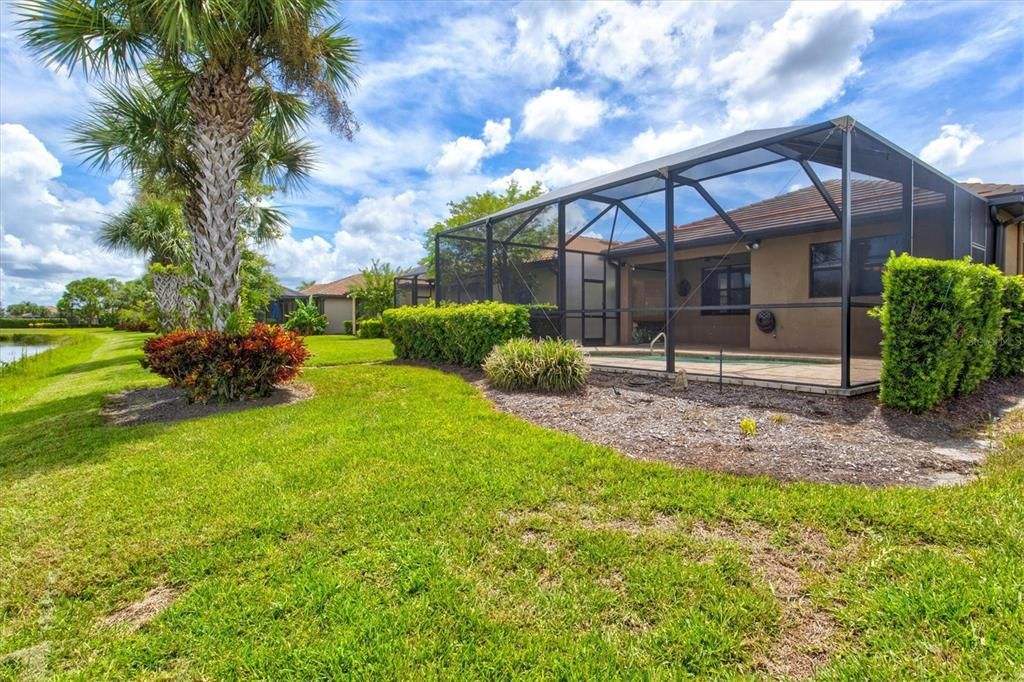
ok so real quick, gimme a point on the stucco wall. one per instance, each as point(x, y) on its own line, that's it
point(779, 273)
point(337, 311)
point(1013, 259)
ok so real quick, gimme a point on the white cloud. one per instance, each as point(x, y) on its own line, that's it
point(952, 147)
point(796, 66)
point(46, 230)
point(561, 114)
point(388, 227)
point(464, 154)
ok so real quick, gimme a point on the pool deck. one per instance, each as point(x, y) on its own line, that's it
point(795, 371)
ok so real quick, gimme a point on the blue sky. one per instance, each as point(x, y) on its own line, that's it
point(457, 98)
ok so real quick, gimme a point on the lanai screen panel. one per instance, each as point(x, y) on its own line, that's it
point(461, 265)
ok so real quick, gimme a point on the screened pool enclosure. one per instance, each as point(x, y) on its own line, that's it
point(756, 257)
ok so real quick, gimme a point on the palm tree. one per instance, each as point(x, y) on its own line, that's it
point(154, 227)
point(139, 128)
point(222, 49)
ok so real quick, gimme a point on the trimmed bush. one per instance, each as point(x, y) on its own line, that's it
point(979, 335)
point(549, 365)
point(454, 334)
point(371, 328)
point(1009, 360)
point(348, 326)
point(941, 327)
point(221, 366)
point(32, 322)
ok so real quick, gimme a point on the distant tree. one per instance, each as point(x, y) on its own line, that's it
point(473, 207)
point(88, 300)
point(377, 292)
point(306, 283)
point(27, 308)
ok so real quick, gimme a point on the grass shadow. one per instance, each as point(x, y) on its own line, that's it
point(59, 433)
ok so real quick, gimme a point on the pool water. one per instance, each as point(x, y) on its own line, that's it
point(713, 359)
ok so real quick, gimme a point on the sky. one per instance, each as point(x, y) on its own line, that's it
point(456, 98)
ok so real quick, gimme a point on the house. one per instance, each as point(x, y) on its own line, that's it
point(757, 257)
point(335, 300)
point(283, 306)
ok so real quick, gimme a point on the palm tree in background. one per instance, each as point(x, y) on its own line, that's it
point(216, 54)
point(153, 227)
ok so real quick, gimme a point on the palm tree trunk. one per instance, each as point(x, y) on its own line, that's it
point(174, 304)
point(222, 117)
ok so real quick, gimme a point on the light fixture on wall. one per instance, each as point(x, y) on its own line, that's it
point(754, 245)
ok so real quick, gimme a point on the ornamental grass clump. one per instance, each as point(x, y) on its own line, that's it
point(212, 365)
point(548, 365)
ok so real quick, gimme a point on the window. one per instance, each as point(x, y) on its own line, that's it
point(826, 269)
point(725, 285)
point(867, 260)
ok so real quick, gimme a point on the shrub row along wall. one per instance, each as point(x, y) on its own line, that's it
point(946, 327)
point(454, 334)
point(30, 322)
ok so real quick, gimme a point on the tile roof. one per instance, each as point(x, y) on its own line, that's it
point(802, 209)
point(992, 189)
point(339, 287)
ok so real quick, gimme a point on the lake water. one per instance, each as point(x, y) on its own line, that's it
point(11, 351)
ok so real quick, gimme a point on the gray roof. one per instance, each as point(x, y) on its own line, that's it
point(649, 171)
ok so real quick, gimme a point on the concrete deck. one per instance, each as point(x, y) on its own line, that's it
point(797, 371)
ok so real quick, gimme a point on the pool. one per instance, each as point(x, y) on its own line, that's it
point(714, 359)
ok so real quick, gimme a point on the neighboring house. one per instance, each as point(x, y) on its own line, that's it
point(335, 301)
point(1007, 202)
point(763, 277)
point(283, 306)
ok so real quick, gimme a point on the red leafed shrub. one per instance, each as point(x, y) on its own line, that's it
point(225, 367)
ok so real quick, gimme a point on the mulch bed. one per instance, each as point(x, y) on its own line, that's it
point(800, 437)
point(167, 404)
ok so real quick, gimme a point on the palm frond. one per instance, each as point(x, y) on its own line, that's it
point(94, 36)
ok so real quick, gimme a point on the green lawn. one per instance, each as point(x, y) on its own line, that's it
point(396, 526)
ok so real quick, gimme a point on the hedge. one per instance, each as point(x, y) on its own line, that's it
point(942, 328)
point(370, 328)
point(32, 322)
point(454, 334)
point(1010, 350)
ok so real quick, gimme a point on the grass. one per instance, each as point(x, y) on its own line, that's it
point(396, 526)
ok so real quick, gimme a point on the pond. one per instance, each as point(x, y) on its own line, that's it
point(14, 347)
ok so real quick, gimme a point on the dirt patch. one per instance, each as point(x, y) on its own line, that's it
point(800, 437)
point(167, 404)
point(135, 615)
point(808, 633)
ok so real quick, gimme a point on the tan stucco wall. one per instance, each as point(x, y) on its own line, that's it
point(779, 273)
point(337, 311)
point(1013, 258)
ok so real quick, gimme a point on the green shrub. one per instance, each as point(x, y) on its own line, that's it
point(748, 427)
point(549, 365)
point(371, 328)
point(1009, 360)
point(306, 319)
point(454, 334)
point(941, 323)
point(32, 322)
point(979, 336)
point(348, 326)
